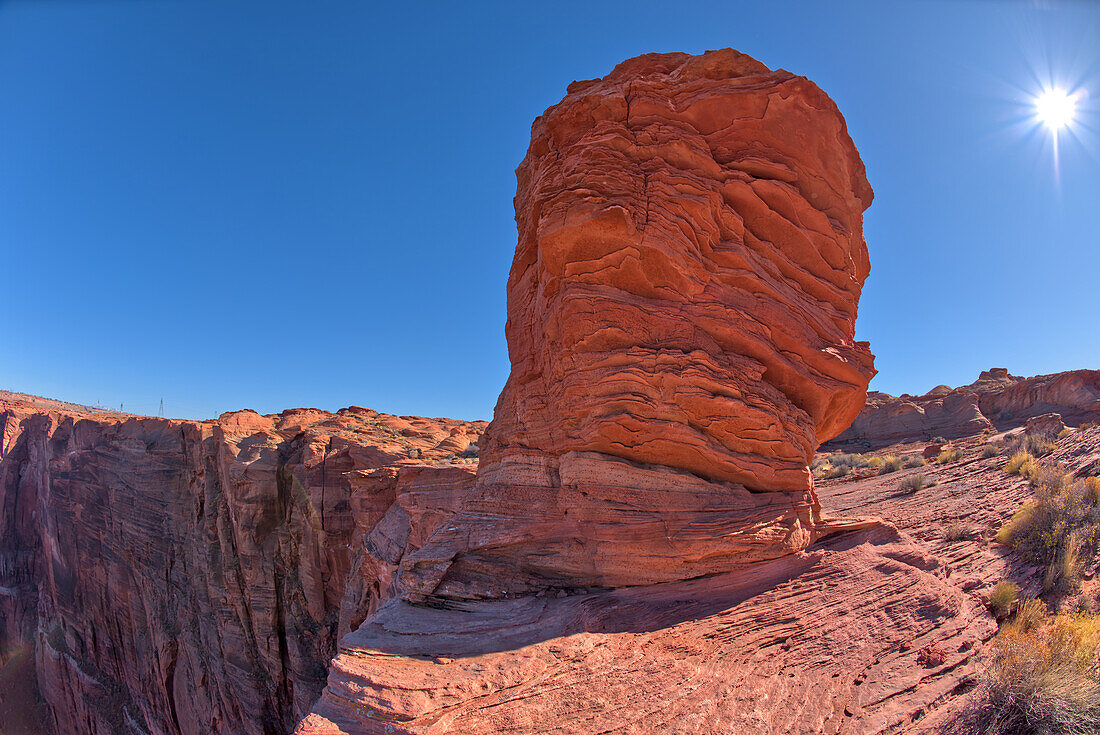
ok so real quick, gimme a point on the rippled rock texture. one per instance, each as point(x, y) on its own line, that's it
point(681, 311)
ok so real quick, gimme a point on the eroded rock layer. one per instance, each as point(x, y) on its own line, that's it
point(996, 400)
point(185, 577)
point(681, 311)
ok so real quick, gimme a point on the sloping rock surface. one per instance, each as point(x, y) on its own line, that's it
point(879, 630)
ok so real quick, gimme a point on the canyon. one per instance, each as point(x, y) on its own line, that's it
point(636, 543)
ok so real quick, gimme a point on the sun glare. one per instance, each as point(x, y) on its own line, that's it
point(1055, 108)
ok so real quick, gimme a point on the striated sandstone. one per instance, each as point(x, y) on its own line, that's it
point(193, 577)
point(680, 326)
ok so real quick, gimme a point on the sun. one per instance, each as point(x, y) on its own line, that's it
point(1055, 108)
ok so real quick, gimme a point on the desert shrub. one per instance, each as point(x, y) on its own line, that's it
point(912, 484)
point(1092, 486)
point(938, 440)
point(848, 460)
point(1065, 432)
point(1042, 679)
point(1031, 614)
point(988, 451)
point(948, 456)
point(470, 452)
point(1052, 477)
point(1057, 528)
point(1040, 445)
point(1002, 599)
point(891, 463)
point(1020, 463)
point(956, 531)
point(839, 471)
point(914, 461)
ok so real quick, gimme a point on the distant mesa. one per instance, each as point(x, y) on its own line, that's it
point(997, 401)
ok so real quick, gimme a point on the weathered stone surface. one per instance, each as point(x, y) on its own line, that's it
point(996, 400)
point(680, 325)
point(188, 577)
point(877, 631)
point(1047, 423)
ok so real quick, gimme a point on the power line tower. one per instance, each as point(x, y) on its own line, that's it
point(161, 413)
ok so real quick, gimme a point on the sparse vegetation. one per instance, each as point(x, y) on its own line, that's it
point(988, 451)
point(949, 455)
point(891, 463)
point(1042, 676)
point(912, 484)
point(938, 440)
point(1036, 444)
point(914, 461)
point(1021, 463)
point(838, 465)
point(957, 531)
point(1002, 599)
point(1058, 527)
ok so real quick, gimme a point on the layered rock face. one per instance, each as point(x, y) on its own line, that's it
point(996, 400)
point(680, 325)
point(194, 577)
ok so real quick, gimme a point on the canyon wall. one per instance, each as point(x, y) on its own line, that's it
point(183, 577)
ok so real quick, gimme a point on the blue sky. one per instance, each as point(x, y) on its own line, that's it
point(276, 204)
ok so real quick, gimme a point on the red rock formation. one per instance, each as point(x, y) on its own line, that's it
point(680, 325)
point(996, 400)
point(188, 577)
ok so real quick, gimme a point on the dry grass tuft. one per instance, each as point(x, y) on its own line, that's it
point(957, 531)
point(891, 463)
point(1002, 599)
point(1042, 678)
point(1021, 463)
point(912, 484)
point(949, 455)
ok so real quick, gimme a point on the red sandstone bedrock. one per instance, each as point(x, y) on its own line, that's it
point(996, 400)
point(194, 577)
point(875, 631)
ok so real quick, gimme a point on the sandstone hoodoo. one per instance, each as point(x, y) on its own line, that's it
point(681, 310)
